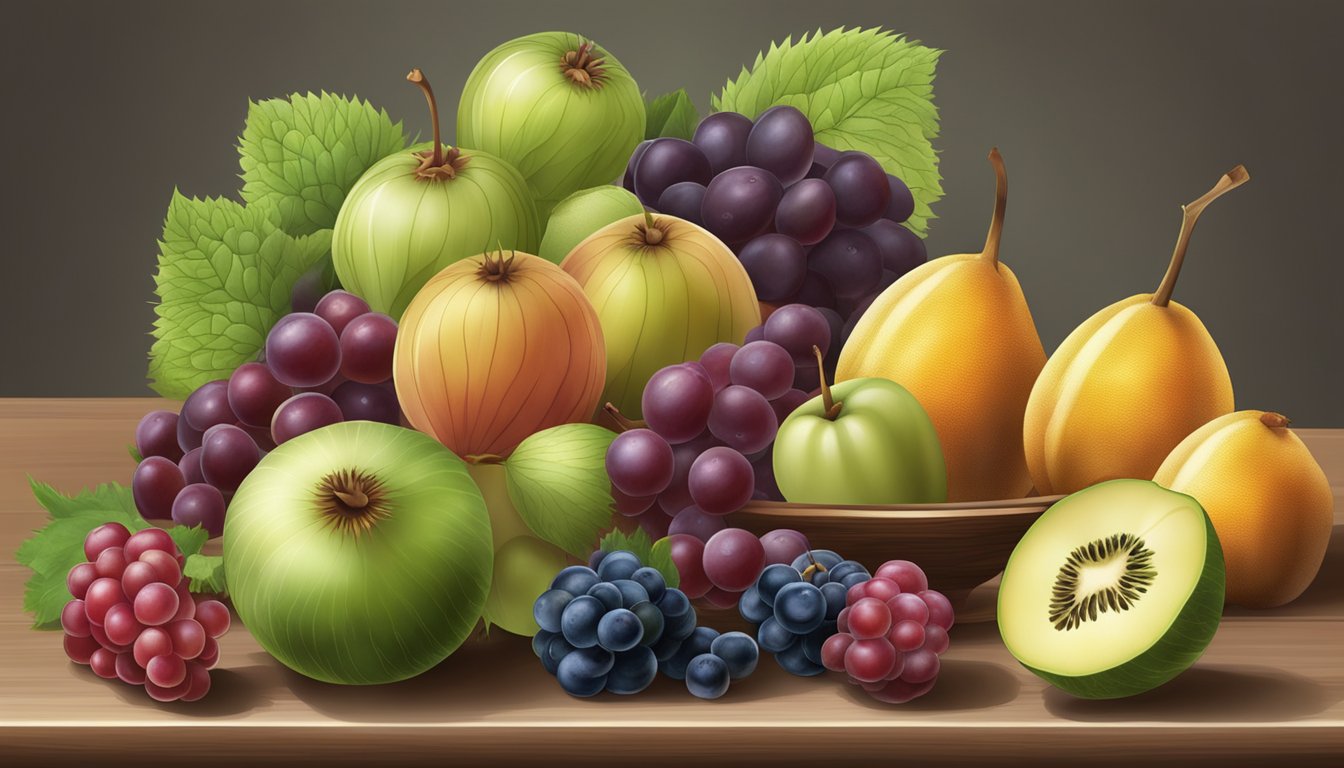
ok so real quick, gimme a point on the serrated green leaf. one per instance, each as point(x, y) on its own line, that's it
point(225, 274)
point(557, 480)
point(303, 153)
point(654, 554)
point(206, 573)
point(864, 89)
point(59, 546)
point(671, 114)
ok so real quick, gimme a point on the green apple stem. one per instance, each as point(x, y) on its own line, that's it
point(832, 407)
point(1190, 214)
point(624, 422)
point(1274, 420)
point(435, 164)
point(991, 251)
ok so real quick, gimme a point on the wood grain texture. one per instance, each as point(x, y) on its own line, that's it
point(1272, 682)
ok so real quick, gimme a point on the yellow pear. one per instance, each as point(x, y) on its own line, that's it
point(1269, 501)
point(1129, 383)
point(957, 333)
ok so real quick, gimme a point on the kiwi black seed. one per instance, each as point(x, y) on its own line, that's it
point(1068, 609)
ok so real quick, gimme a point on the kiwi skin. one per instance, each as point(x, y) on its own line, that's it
point(1178, 648)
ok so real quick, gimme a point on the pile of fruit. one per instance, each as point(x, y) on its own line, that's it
point(423, 385)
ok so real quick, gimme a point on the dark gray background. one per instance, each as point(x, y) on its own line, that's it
point(1109, 116)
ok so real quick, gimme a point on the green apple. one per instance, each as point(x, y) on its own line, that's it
point(863, 441)
point(583, 213)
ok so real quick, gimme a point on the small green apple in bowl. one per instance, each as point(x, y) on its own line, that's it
point(863, 441)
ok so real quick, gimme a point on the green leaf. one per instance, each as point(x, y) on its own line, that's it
point(863, 89)
point(53, 550)
point(135, 453)
point(302, 154)
point(206, 573)
point(671, 114)
point(654, 554)
point(557, 480)
point(225, 276)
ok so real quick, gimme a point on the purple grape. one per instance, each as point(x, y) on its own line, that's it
point(628, 180)
point(655, 524)
point(861, 190)
point(901, 250)
point(856, 314)
point(788, 402)
point(227, 455)
point(693, 521)
point(889, 279)
point(743, 419)
point(816, 291)
point(806, 212)
point(302, 413)
point(309, 289)
point(677, 496)
point(755, 334)
point(156, 435)
point(776, 264)
point(716, 360)
point(339, 307)
point(783, 545)
point(631, 506)
point(849, 261)
point(823, 157)
point(366, 348)
point(763, 366)
point(367, 402)
point(763, 471)
point(191, 466)
point(805, 375)
point(188, 437)
point(722, 136)
point(640, 463)
point(200, 504)
point(676, 402)
point(740, 203)
point(208, 406)
point(797, 328)
point(260, 435)
point(837, 323)
point(902, 202)
point(721, 480)
point(665, 162)
point(781, 142)
point(254, 394)
point(303, 350)
point(683, 200)
point(156, 482)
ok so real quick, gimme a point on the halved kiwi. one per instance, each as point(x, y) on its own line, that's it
point(1115, 590)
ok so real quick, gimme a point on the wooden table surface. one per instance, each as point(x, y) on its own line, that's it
point(1272, 682)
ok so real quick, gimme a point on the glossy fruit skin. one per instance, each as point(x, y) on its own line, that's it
point(1268, 499)
point(396, 230)
point(881, 449)
point(660, 305)
point(469, 349)
point(969, 352)
point(1121, 391)
point(561, 134)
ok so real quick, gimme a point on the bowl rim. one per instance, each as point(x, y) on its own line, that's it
point(966, 509)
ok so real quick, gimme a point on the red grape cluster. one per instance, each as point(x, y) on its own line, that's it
point(891, 633)
point(332, 364)
point(726, 565)
point(811, 225)
point(710, 427)
point(133, 619)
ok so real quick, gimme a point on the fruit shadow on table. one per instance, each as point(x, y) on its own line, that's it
point(233, 691)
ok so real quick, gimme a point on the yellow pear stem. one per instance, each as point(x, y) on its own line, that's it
point(832, 407)
point(1190, 214)
point(652, 234)
point(991, 251)
point(1274, 420)
point(418, 77)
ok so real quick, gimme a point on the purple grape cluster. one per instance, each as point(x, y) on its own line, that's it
point(705, 448)
point(320, 367)
point(811, 224)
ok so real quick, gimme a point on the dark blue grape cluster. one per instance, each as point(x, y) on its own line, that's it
point(613, 626)
point(795, 607)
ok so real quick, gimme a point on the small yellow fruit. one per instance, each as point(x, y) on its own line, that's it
point(1269, 500)
point(1128, 384)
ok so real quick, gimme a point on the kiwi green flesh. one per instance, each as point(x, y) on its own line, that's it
point(1114, 653)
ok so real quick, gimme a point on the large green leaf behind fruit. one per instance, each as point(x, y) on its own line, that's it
point(304, 152)
point(863, 89)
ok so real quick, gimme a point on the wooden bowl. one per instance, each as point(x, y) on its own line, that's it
point(959, 545)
